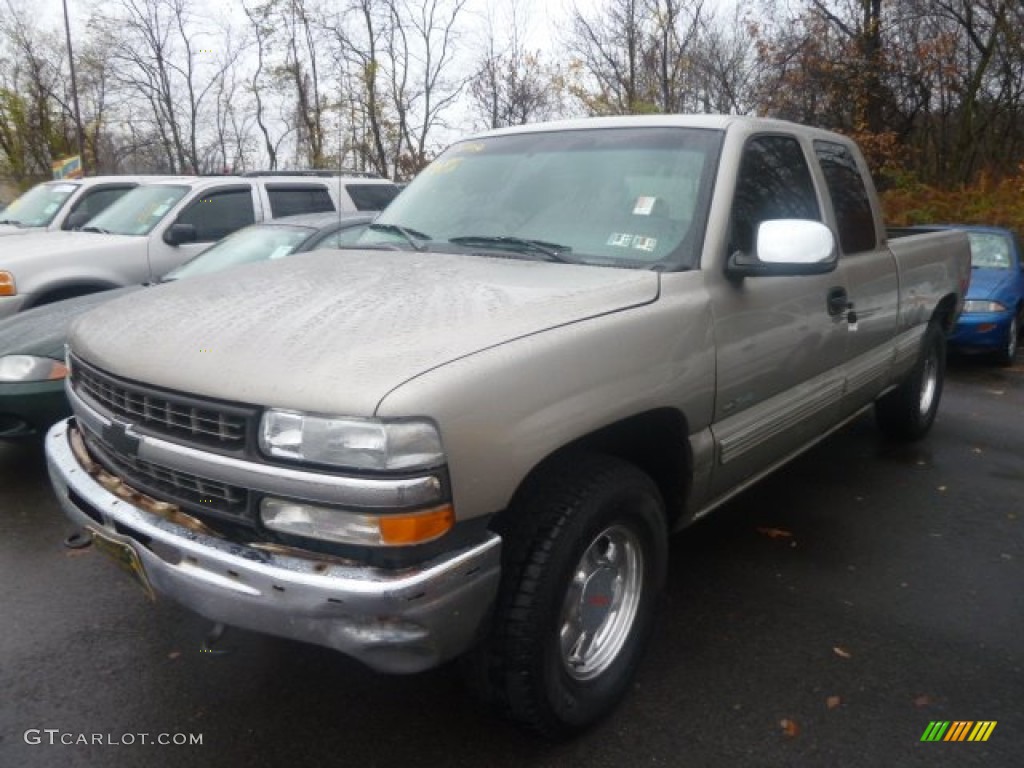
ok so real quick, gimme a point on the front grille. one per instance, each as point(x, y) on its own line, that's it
point(166, 413)
point(166, 484)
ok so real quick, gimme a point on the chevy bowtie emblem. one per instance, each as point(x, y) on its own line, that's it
point(119, 436)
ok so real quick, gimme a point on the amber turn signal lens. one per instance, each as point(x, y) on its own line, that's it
point(7, 286)
point(418, 527)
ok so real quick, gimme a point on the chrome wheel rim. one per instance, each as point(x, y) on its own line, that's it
point(929, 383)
point(602, 602)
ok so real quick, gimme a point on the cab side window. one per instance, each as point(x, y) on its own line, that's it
point(371, 197)
point(774, 183)
point(293, 199)
point(94, 201)
point(854, 219)
point(217, 214)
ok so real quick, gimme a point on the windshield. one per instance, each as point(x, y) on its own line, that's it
point(989, 250)
point(256, 243)
point(38, 206)
point(630, 197)
point(138, 211)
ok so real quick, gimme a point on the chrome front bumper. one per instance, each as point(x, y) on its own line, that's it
point(392, 620)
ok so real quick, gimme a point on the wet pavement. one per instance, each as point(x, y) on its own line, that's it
point(823, 618)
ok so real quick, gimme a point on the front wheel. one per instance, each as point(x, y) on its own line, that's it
point(1006, 355)
point(908, 412)
point(584, 556)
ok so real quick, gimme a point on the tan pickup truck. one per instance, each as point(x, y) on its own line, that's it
point(473, 435)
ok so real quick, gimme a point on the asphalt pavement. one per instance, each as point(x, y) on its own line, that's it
point(824, 618)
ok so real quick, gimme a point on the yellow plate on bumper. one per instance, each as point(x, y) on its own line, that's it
point(125, 556)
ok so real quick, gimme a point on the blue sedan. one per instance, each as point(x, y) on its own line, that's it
point(994, 309)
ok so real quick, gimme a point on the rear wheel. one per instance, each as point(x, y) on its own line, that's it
point(908, 412)
point(584, 555)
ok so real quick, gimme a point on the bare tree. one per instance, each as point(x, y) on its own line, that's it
point(636, 56)
point(512, 85)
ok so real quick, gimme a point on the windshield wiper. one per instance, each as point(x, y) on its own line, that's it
point(410, 235)
point(12, 222)
point(95, 229)
point(553, 251)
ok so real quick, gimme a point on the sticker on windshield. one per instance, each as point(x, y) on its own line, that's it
point(161, 209)
point(645, 243)
point(443, 166)
point(644, 206)
point(65, 189)
point(51, 208)
point(620, 240)
point(281, 250)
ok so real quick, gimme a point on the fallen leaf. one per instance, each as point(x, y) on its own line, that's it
point(774, 533)
point(942, 488)
point(173, 654)
point(833, 701)
point(975, 450)
point(842, 653)
point(922, 701)
point(789, 728)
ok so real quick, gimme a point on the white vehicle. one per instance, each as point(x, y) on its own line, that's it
point(158, 226)
point(65, 204)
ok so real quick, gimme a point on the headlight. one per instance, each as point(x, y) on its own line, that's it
point(7, 284)
point(370, 444)
point(31, 368)
point(983, 306)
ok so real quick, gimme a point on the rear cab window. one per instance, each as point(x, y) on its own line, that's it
point(850, 201)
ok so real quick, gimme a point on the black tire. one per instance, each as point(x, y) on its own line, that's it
point(584, 548)
point(1008, 353)
point(908, 412)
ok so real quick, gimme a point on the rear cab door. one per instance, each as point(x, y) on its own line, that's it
point(868, 268)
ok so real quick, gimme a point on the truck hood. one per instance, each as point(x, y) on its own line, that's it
point(334, 332)
point(43, 331)
point(989, 284)
point(43, 244)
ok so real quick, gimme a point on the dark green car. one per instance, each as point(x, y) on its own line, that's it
point(32, 342)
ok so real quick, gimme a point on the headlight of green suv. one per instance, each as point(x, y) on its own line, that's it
point(364, 444)
point(31, 368)
point(983, 306)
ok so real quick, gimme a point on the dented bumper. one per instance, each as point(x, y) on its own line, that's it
point(398, 621)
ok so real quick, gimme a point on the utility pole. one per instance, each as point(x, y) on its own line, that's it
point(74, 93)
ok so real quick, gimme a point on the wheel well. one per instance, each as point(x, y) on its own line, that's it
point(944, 312)
point(657, 442)
point(68, 292)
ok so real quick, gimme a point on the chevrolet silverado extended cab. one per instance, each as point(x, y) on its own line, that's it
point(160, 225)
point(473, 436)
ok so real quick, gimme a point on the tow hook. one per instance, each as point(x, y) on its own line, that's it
point(80, 539)
point(212, 638)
